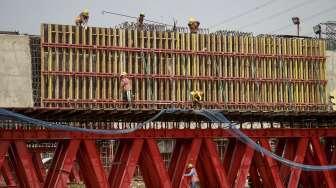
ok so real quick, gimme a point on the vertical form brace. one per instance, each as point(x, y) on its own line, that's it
point(62, 163)
point(22, 162)
point(126, 159)
point(319, 152)
point(299, 158)
point(89, 159)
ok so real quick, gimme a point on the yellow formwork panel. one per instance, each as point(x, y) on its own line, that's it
point(81, 68)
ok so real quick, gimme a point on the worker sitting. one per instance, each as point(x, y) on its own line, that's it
point(140, 21)
point(83, 18)
point(193, 25)
point(197, 97)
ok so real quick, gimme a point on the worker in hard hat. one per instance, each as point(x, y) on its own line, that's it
point(193, 25)
point(140, 21)
point(126, 86)
point(83, 18)
point(193, 174)
point(197, 97)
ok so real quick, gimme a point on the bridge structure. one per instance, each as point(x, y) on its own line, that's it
point(271, 88)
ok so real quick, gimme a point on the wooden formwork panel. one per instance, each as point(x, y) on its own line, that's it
point(81, 68)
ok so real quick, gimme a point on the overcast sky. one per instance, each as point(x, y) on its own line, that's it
point(258, 16)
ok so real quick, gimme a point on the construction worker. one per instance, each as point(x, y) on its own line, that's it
point(193, 25)
point(193, 174)
point(197, 97)
point(140, 21)
point(126, 86)
point(83, 18)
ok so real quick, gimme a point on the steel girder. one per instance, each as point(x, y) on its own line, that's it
point(77, 158)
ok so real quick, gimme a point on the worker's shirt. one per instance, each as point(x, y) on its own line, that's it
point(193, 175)
point(126, 84)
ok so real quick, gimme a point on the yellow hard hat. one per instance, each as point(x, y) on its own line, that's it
point(142, 14)
point(86, 12)
point(123, 74)
point(192, 19)
point(190, 165)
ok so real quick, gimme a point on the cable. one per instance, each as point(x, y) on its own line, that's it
point(267, 18)
point(307, 18)
point(127, 16)
point(243, 13)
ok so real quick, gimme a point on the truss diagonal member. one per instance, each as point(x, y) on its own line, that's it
point(216, 169)
point(62, 163)
point(299, 158)
point(322, 159)
point(4, 145)
point(7, 174)
point(272, 165)
point(185, 151)
point(152, 166)
point(124, 163)
point(92, 168)
point(23, 165)
point(244, 168)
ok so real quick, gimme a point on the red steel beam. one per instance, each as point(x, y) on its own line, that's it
point(22, 162)
point(4, 145)
point(7, 174)
point(124, 163)
point(299, 158)
point(89, 159)
point(330, 179)
point(63, 161)
point(39, 167)
point(167, 133)
point(156, 168)
point(272, 166)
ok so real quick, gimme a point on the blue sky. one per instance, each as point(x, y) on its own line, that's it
point(26, 16)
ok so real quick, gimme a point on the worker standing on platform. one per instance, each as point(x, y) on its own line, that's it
point(140, 21)
point(127, 88)
point(83, 18)
point(193, 25)
point(193, 174)
point(197, 97)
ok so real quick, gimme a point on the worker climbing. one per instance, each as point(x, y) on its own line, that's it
point(83, 18)
point(197, 97)
point(193, 25)
point(140, 21)
point(193, 174)
point(126, 86)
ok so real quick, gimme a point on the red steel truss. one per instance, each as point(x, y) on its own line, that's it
point(77, 158)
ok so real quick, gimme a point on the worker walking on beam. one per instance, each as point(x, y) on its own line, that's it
point(126, 86)
point(193, 174)
point(197, 97)
point(140, 21)
point(83, 18)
